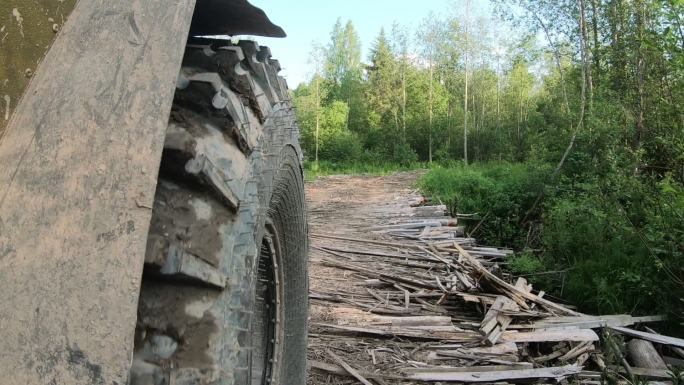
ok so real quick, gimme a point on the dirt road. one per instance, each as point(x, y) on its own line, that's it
point(347, 206)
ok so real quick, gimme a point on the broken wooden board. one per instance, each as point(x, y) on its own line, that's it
point(556, 373)
point(588, 322)
point(550, 336)
point(656, 374)
point(511, 290)
point(496, 320)
point(657, 338)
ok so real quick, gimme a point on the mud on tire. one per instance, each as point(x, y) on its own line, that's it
point(224, 292)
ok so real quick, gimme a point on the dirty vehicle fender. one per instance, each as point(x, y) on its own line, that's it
point(79, 162)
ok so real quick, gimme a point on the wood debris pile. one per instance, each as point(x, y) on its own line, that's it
point(419, 301)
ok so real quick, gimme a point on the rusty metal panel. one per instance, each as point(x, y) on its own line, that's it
point(78, 168)
point(27, 29)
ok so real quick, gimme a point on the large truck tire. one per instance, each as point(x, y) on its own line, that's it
point(224, 293)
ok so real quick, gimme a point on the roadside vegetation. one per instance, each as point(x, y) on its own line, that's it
point(313, 170)
point(563, 140)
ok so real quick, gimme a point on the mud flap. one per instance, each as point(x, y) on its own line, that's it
point(79, 163)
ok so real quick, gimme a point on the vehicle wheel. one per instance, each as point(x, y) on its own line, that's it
point(224, 297)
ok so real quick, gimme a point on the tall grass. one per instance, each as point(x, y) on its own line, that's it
point(324, 168)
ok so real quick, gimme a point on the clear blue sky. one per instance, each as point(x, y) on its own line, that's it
point(306, 21)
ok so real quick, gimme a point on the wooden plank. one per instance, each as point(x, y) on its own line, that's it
point(496, 321)
point(503, 375)
point(503, 348)
point(474, 369)
point(348, 368)
point(368, 241)
point(657, 374)
point(550, 336)
point(336, 369)
point(590, 322)
point(657, 338)
point(411, 320)
point(510, 289)
point(431, 334)
point(454, 334)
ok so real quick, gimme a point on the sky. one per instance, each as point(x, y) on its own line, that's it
point(306, 21)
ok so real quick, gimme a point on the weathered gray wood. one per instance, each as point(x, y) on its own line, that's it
point(336, 369)
point(551, 336)
point(79, 167)
point(353, 372)
point(577, 351)
point(503, 375)
point(656, 374)
point(588, 322)
point(657, 338)
point(451, 333)
point(496, 320)
point(510, 289)
point(644, 355)
point(474, 369)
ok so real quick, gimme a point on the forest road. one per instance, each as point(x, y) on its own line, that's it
point(347, 206)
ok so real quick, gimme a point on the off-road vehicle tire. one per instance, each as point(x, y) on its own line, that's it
point(224, 290)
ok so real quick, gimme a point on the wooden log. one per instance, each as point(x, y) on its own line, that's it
point(643, 354)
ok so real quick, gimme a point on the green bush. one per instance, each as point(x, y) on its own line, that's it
point(525, 263)
point(617, 240)
point(501, 192)
point(378, 167)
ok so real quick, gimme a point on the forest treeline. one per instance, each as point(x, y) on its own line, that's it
point(559, 124)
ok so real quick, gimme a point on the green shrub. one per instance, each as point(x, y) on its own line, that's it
point(525, 263)
point(501, 192)
point(618, 239)
point(378, 167)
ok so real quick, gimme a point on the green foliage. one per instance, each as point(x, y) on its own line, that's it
point(577, 141)
point(618, 240)
point(525, 263)
point(368, 166)
point(336, 142)
point(499, 192)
